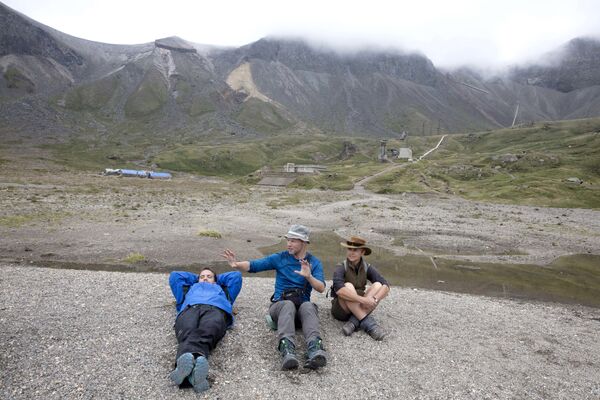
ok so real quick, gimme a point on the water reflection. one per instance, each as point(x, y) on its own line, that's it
point(569, 279)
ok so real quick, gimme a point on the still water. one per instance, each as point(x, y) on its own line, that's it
point(569, 279)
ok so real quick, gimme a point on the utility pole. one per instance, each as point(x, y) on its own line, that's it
point(382, 151)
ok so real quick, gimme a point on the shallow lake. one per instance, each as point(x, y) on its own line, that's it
point(569, 279)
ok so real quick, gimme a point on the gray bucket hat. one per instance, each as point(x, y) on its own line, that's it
point(298, 232)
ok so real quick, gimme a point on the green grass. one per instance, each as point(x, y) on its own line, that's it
point(264, 117)
point(468, 165)
point(80, 154)
point(237, 158)
point(195, 104)
point(133, 258)
point(15, 221)
point(339, 176)
point(210, 233)
point(548, 154)
point(92, 96)
point(148, 97)
point(224, 160)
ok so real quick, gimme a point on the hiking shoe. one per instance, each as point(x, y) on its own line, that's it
point(288, 354)
point(377, 333)
point(270, 323)
point(199, 375)
point(185, 365)
point(316, 355)
point(348, 328)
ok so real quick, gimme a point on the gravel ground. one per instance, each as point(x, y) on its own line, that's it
point(70, 334)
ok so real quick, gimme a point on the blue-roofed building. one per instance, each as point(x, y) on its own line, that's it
point(138, 173)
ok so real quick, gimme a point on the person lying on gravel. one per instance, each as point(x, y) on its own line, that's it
point(204, 305)
point(351, 302)
point(297, 273)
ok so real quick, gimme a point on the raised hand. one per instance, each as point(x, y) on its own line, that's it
point(305, 269)
point(229, 255)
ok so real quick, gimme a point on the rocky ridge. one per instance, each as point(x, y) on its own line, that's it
point(176, 86)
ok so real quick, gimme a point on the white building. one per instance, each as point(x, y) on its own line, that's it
point(304, 168)
point(405, 153)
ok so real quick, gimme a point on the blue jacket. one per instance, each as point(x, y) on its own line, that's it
point(205, 292)
point(285, 264)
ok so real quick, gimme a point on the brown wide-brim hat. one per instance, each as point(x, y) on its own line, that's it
point(356, 242)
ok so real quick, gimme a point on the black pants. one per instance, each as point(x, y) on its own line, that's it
point(199, 328)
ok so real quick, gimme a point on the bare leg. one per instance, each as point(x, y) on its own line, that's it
point(354, 307)
point(373, 289)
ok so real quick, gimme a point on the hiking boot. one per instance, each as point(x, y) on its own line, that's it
point(377, 332)
point(288, 354)
point(316, 355)
point(348, 328)
point(199, 375)
point(185, 365)
point(270, 323)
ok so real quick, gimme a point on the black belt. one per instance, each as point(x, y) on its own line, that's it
point(204, 305)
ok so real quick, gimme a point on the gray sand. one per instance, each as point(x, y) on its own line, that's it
point(103, 335)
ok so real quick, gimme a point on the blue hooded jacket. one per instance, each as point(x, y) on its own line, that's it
point(205, 292)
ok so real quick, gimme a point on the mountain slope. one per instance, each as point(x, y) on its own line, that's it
point(57, 87)
point(576, 65)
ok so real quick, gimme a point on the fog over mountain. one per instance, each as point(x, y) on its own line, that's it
point(55, 86)
point(487, 34)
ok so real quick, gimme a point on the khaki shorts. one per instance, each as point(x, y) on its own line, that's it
point(338, 312)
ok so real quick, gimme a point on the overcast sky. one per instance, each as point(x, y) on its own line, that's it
point(450, 33)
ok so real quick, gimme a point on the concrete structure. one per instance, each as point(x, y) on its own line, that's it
point(382, 151)
point(304, 168)
point(274, 180)
point(405, 153)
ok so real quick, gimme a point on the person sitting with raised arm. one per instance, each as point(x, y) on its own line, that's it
point(297, 273)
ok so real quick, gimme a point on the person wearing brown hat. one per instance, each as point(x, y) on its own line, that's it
point(352, 301)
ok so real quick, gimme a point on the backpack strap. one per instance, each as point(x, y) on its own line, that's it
point(366, 265)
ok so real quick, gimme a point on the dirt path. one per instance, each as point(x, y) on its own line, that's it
point(433, 149)
point(360, 185)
